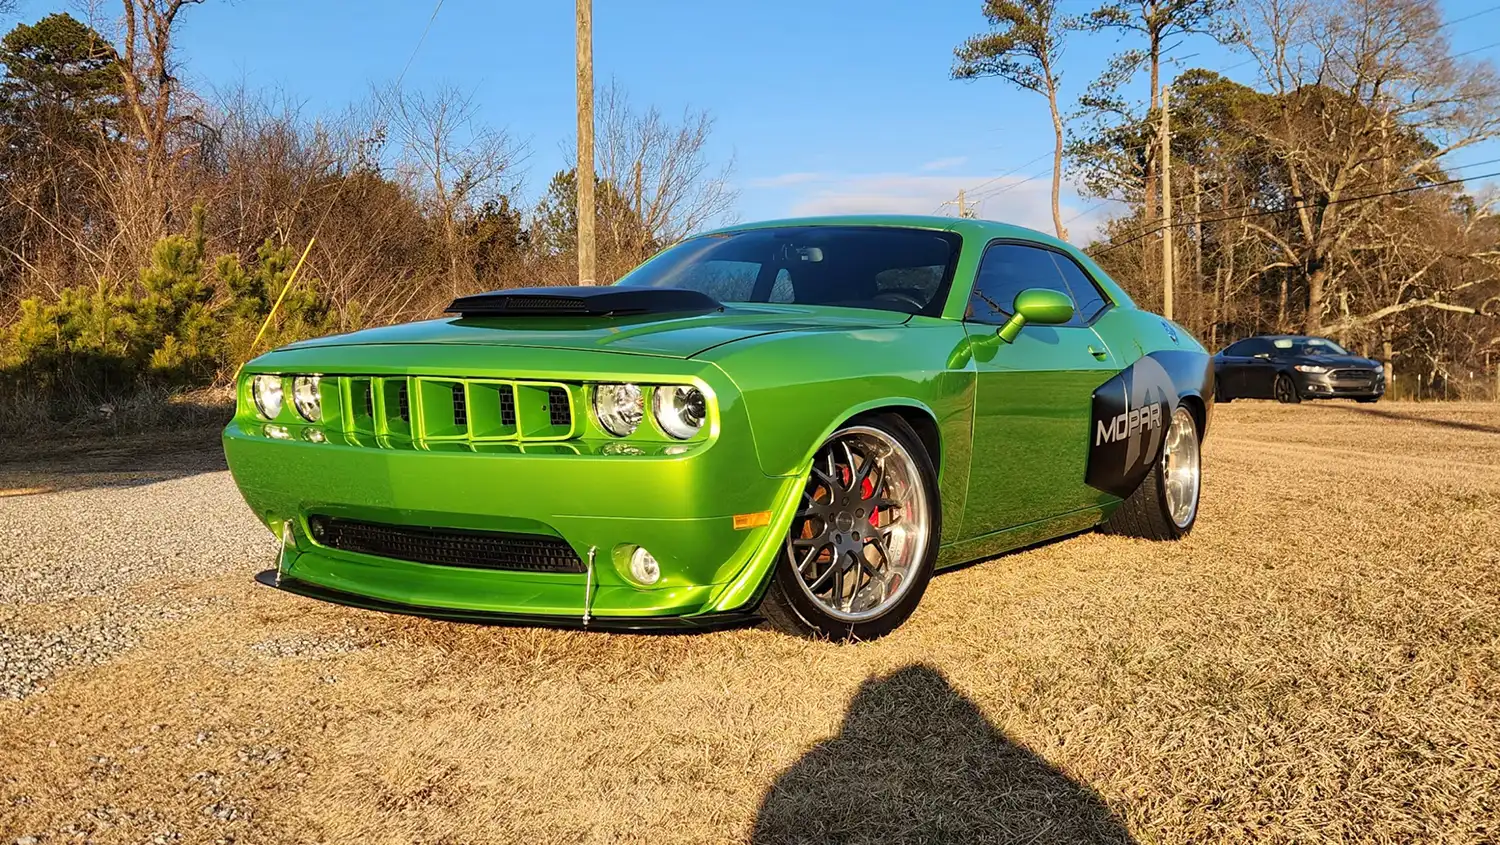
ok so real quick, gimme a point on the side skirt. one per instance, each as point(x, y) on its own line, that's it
point(999, 542)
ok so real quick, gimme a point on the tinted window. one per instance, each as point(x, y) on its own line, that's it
point(1086, 296)
point(889, 268)
point(726, 281)
point(1308, 346)
point(1238, 350)
point(1006, 270)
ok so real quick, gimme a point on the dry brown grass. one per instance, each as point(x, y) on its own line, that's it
point(1319, 661)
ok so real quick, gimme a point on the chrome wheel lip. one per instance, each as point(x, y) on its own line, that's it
point(1182, 468)
point(914, 521)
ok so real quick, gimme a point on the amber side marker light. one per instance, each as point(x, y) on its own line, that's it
point(751, 520)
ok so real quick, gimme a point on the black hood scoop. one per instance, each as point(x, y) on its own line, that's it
point(606, 301)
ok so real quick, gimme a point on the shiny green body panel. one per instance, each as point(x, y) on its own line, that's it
point(1008, 425)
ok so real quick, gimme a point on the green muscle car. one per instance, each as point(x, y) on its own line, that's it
point(796, 421)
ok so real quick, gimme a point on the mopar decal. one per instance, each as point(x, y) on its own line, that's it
point(1128, 424)
point(1130, 413)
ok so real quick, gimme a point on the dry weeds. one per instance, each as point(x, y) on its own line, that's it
point(1319, 661)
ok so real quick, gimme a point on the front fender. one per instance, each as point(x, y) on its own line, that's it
point(797, 388)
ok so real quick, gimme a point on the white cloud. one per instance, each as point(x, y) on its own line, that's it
point(1014, 200)
point(944, 163)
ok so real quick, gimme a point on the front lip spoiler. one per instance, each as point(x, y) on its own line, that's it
point(640, 624)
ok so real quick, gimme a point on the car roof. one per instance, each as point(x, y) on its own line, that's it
point(969, 227)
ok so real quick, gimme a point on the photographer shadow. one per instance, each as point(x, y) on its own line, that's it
point(916, 761)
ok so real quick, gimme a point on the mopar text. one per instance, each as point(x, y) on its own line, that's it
point(1128, 424)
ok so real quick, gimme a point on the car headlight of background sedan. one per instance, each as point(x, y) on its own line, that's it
point(619, 408)
point(1310, 368)
point(266, 391)
point(679, 409)
point(305, 398)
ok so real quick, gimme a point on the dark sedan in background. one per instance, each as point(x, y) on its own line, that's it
point(1290, 368)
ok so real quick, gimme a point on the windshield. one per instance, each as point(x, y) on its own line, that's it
point(1308, 346)
point(907, 270)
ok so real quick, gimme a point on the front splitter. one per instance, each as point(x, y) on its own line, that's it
point(639, 624)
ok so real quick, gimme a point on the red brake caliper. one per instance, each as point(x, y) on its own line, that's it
point(866, 492)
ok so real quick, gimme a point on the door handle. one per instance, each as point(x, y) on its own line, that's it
point(1099, 354)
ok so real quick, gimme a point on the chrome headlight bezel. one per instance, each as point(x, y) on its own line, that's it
point(619, 407)
point(680, 410)
point(268, 394)
point(306, 398)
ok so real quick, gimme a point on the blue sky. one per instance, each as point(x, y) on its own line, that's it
point(823, 105)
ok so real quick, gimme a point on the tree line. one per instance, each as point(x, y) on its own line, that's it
point(1316, 199)
point(146, 229)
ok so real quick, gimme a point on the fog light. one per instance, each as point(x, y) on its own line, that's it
point(278, 432)
point(644, 568)
point(314, 435)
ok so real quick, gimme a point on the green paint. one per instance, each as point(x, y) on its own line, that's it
point(1010, 419)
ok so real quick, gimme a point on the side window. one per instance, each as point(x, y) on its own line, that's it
point(1239, 349)
point(1006, 270)
point(1086, 296)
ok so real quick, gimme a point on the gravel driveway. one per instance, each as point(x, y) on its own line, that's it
point(91, 542)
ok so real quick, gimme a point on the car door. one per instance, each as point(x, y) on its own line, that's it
point(1229, 368)
point(1258, 370)
point(1033, 397)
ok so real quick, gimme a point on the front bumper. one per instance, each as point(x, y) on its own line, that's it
point(1327, 386)
point(680, 507)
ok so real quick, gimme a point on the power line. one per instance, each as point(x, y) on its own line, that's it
point(1287, 209)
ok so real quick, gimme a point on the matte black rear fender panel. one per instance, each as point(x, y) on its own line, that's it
point(1131, 413)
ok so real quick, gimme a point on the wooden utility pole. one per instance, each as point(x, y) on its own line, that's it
point(1167, 255)
point(584, 172)
point(963, 210)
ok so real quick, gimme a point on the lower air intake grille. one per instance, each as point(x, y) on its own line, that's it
point(507, 405)
point(447, 546)
point(557, 406)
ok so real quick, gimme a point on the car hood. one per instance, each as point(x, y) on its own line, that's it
point(1334, 362)
point(668, 336)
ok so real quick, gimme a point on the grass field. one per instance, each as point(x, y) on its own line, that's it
point(1318, 661)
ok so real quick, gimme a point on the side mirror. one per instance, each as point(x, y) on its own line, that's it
point(1036, 305)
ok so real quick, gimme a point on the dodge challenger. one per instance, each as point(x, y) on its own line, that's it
point(795, 421)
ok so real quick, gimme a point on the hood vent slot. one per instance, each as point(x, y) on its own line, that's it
point(608, 301)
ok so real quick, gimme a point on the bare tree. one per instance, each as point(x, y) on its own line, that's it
point(455, 162)
point(1024, 47)
point(661, 172)
point(1366, 98)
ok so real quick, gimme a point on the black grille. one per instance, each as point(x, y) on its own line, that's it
point(369, 400)
point(1357, 376)
point(403, 404)
point(557, 406)
point(516, 304)
point(507, 405)
point(447, 546)
point(460, 411)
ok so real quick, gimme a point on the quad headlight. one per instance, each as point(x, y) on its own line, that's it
point(305, 398)
point(619, 408)
point(679, 409)
point(266, 390)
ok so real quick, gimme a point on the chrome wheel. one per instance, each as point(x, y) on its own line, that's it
point(862, 529)
point(1180, 468)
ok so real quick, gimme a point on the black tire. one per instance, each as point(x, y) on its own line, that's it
point(788, 607)
point(1145, 514)
point(1285, 390)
